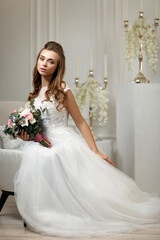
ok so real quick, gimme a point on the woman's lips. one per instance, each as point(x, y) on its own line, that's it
point(43, 69)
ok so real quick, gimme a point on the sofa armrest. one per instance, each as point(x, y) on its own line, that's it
point(1, 143)
point(10, 160)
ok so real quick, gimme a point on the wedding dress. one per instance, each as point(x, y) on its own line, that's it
point(68, 190)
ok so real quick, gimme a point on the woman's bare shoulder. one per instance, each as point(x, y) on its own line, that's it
point(65, 86)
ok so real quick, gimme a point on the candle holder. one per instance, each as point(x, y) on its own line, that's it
point(141, 14)
point(105, 81)
point(77, 81)
point(140, 78)
point(97, 85)
point(91, 74)
point(139, 23)
point(126, 23)
point(156, 22)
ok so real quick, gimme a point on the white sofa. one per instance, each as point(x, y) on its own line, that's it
point(10, 157)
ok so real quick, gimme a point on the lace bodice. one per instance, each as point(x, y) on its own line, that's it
point(52, 118)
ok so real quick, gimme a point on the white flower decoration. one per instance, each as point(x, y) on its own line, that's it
point(148, 40)
point(97, 98)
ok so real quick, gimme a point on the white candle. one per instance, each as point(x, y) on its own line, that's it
point(77, 67)
point(141, 5)
point(91, 60)
point(105, 66)
point(126, 9)
point(156, 8)
point(141, 48)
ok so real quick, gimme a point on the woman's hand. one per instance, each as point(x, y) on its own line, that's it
point(24, 136)
point(105, 158)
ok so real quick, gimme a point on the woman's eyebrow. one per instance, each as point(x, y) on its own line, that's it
point(48, 58)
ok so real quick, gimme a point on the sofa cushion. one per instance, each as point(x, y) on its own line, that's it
point(10, 160)
point(7, 142)
point(1, 143)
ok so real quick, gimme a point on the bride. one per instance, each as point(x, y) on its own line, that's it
point(72, 189)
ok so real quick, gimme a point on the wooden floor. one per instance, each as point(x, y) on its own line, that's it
point(11, 228)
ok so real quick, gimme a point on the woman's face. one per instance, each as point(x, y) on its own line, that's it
point(47, 63)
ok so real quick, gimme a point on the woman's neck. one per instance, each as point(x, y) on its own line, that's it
point(44, 81)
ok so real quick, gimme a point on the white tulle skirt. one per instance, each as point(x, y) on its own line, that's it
point(70, 191)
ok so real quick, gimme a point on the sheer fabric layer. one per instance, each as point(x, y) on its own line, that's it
point(70, 191)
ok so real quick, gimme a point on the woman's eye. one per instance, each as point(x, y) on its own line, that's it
point(41, 59)
point(51, 62)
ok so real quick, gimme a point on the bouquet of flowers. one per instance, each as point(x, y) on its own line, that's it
point(29, 120)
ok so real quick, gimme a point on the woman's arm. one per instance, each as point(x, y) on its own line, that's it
point(82, 125)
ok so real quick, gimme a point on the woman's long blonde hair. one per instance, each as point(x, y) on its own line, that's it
point(55, 85)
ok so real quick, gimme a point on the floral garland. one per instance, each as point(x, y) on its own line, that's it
point(96, 95)
point(141, 32)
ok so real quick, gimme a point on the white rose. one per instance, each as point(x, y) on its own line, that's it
point(24, 122)
point(25, 111)
point(32, 121)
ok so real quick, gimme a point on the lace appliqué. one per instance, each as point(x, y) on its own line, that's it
point(52, 117)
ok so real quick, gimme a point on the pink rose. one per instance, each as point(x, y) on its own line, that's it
point(24, 112)
point(14, 111)
point(10, 122)
point(28, 116)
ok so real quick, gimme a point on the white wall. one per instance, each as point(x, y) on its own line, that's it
point(77, 25)
point(14, 49)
